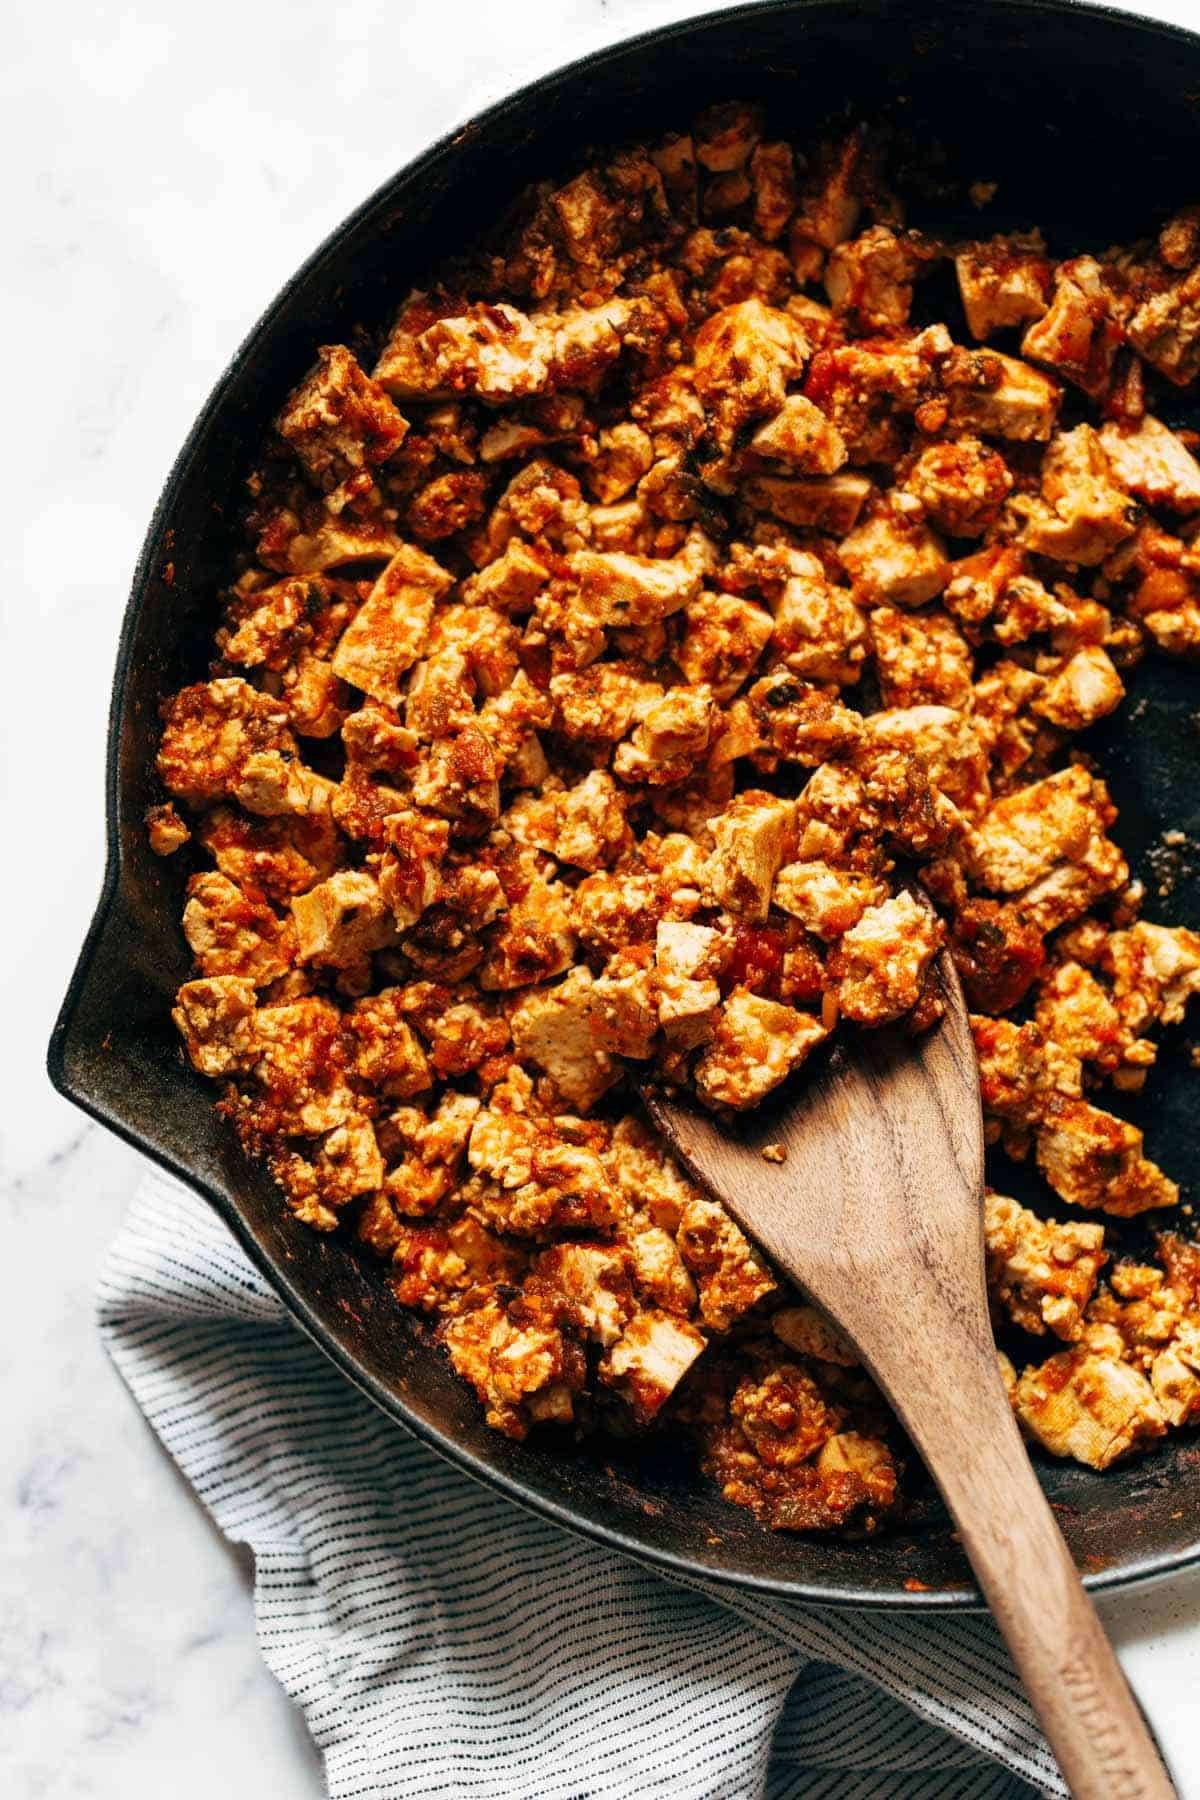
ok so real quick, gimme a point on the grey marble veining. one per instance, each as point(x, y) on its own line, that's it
point(169, 167)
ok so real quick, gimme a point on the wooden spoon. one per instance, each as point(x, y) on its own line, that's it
point(877, 1213)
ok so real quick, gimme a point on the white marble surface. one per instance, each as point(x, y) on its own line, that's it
point(168, 167)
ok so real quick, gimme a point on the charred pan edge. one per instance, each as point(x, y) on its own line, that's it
point(682, 1563)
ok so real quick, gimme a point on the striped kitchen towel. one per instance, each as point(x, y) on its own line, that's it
point(440, 1640)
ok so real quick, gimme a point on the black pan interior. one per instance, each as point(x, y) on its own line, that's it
point(1088, 121)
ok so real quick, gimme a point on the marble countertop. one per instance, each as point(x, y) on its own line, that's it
point(170, 166)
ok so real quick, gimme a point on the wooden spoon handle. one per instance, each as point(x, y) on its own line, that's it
point(1071, 1674)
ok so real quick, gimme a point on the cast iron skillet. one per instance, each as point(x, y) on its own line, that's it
point(1086, 117)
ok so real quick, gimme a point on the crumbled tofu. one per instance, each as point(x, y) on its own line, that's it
point(1092, 1159)
point(594, 1279)
point(620, 590)
point(722, 640)
point(730, 1275)
point(301, 1066)
point(882, 960)
point(1041, 1273)
point(626, 452)
point(871, 277)
point(1025, 834)
point(534, 941)
point(339, 421)
point(230, 932)
point(388, 1052)
point(601, 703)
point(832, 201)
point(807, 1331)
point(922, 659)
point(1081, 515)
point(678, 725)
point(521, 1373)
point(1075, 1011)
point(166, 830)
point(646, 1177)
point(592, 832)
point(685, 949)
point(1165, 329)
point(819, 503)
point(687, 1010)
point(820, 632)
point(1085, 689)
point(658, 1269)
point(1001, 397)
point(1070, 888)
point(511, 582)
point(784, 1415)
point(1175, 1375)
point(1020, 1072)
point(498, 353)
point(961, 484)
point(725, 135)
point(773, 177)
point(211, 731)
point(756, 1045)
point(1155, 971)
point(744, 358)
point(348, 1162)
point(625, 1012)
point(552, 1028)
point(594, 718)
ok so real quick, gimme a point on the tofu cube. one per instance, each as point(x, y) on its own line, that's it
point(649, 1360)
point(1002, 283)
point(338, 421)
point(215, 1019)
point(1085, 689)
point(801, 438)
point(617, 589)
point(343, 919)
point(552, 1028)
point(827, 901)
point(1091, 1407)
point(388, 633)
point(752, 836)
point(999, 396)
point(1148, 460)
point(1095, 1160)
point(756, 1045)
point(881, 962)
point(893, 556)
point(1042, 1274)
point(829, 503)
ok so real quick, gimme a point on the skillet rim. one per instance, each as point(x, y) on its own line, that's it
point(1139, 1570)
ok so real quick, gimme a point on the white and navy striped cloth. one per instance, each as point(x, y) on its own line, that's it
point(441, 1641)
